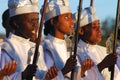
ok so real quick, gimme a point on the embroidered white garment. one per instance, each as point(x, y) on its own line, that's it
point(19, 51)
point(97, 54)
point(93, 53)
point(56, 53)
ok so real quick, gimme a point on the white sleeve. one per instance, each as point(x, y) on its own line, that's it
point(48, 59)
point(50, 62)
point(42, 69)
point(3, 60)
point(91, 74)
point(77, 75)
point(118, 58)
point(118, 62)
point(106, 74)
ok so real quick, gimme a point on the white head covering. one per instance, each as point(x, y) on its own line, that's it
point(17, 7)
point(55, 8)
point(88, 16)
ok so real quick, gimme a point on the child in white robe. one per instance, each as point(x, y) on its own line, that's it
point(89, 36)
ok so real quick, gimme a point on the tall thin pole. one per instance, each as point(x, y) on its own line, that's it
point(38, 40)
point(76, 33)
point(91, 2)
point(115, 38)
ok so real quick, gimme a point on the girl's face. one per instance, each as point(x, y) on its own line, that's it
point(28, 25)
point(92, 33)
point(96, 34)
point(64, 25)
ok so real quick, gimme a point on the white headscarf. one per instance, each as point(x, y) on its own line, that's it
point(56, 7)
point(17, 7)
point(88, 16)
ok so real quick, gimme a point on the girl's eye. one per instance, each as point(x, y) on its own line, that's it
point(93, 27)
point(66, 17)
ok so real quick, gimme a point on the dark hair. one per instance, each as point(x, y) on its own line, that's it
point(49, 28)
point(87, 33)
point(12, 19)
point(5, 16)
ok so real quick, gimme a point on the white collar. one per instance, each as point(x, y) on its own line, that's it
point(84, 44)
point(18, 38)
point(56, 40)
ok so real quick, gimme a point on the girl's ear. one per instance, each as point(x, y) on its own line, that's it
point(15, 24)
point(52, 21)
point(81, 31)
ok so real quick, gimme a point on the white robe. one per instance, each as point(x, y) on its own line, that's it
point(55, 51)
point(19, 52)
point(97, 54)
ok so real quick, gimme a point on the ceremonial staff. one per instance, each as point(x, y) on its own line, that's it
point(115, 38)
point(91, 3)
point(38, 39)
point(76, 33)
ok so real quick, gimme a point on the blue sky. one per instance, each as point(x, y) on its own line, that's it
point(105, 8)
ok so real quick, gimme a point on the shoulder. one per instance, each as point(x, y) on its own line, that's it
point(101, 47)
point(4, 55)
point(5, 45)
point(6, 48)
point(102, 50)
